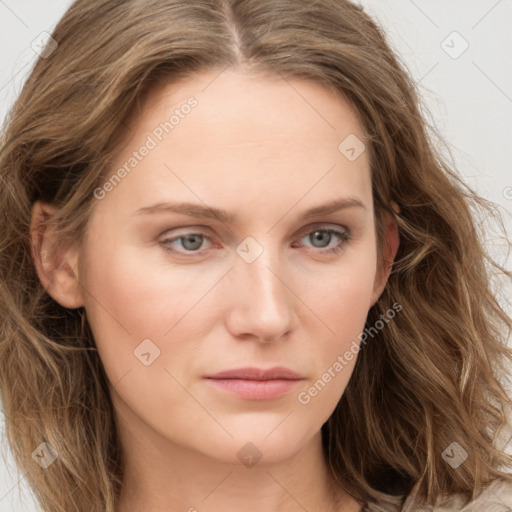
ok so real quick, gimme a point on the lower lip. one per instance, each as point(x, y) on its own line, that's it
point(256, 389)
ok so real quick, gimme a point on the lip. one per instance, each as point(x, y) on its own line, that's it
point(251, 373)
point(256, 383)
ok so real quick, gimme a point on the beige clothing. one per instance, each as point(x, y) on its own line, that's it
point(497, 497)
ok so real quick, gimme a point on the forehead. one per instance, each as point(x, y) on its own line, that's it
point(245, 134)
point(246, 105)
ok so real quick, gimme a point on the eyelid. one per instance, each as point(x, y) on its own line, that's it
point(320, 226)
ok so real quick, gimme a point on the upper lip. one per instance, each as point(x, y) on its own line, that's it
point(277, 372)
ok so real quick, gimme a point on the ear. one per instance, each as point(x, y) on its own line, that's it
point(389, 250)
point(56, 263)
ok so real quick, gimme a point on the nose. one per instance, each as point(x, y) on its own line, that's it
point(261, 299)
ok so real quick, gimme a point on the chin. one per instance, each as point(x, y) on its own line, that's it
point(257, 446)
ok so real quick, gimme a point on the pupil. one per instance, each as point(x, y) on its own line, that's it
point(191, 238)
point(318, 235)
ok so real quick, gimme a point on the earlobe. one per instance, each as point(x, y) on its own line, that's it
point(56, 264)
point(389, 250)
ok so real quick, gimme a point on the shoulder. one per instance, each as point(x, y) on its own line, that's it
point(496, 497)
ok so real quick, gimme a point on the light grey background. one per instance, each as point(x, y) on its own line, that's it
point(470, 98)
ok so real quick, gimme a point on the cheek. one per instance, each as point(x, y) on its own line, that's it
point(341, 301)
point(122, 305)
point(141, 287)
point(132, 298)
point(341, 294)
point(342, 306)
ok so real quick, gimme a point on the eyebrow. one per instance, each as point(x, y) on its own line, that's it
point(209, 212)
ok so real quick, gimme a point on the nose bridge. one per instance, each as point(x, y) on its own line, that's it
point(262, 303)
point(261, 263)
point(260, 266)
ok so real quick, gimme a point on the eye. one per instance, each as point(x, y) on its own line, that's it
point(191, 243)
point(323, 236)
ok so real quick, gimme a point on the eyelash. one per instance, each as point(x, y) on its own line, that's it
point(343, 235)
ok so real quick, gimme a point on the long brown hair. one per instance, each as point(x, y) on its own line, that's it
point(428, 379)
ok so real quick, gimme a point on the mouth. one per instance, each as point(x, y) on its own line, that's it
point(256, 383)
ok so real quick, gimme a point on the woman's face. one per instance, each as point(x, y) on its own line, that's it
point(175, 295)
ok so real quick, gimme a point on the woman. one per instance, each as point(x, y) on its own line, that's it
point(177, 335)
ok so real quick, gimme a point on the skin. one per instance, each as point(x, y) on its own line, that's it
point(265, 151)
